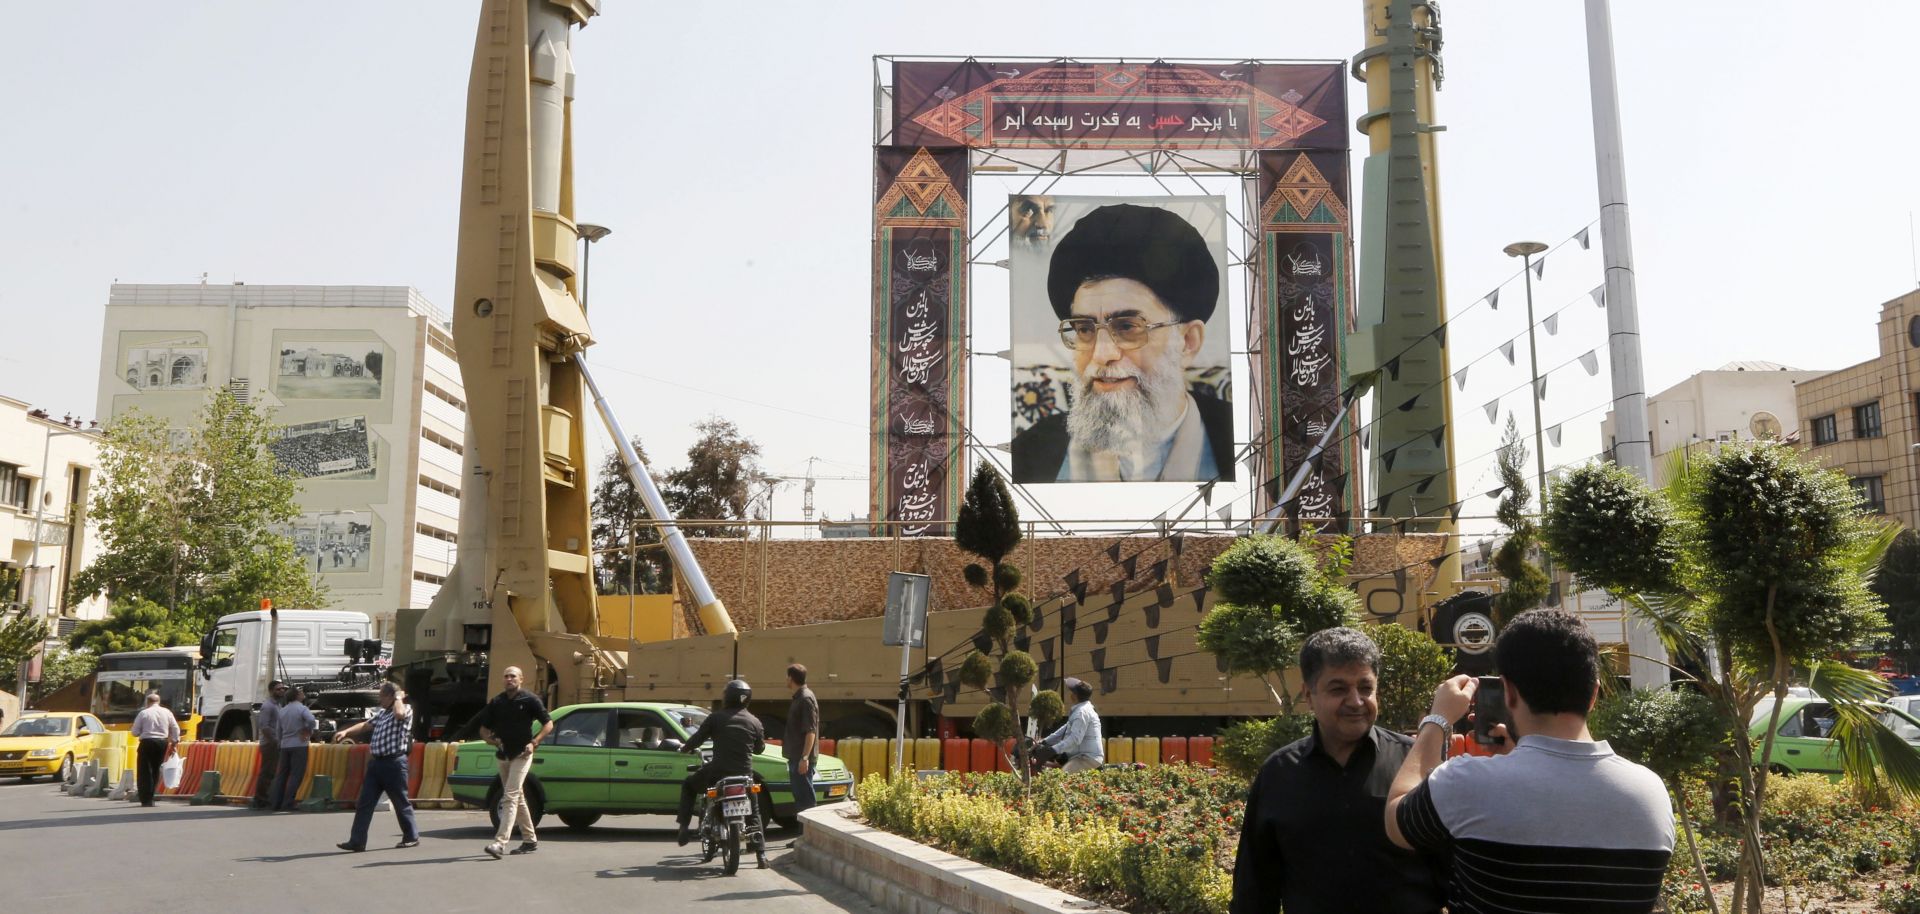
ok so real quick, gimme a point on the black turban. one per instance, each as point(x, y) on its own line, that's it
point(1150, 246)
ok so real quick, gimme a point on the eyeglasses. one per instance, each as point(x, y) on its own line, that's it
point(1128, 333)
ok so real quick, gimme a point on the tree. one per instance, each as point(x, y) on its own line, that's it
point(197, 528)
point(1765, 557)
point(20, 637)
point(1527, 585)
point(719, 480)
point(988, 526)
point(137, 625)
point(372, 362)
point(621, 522)
point(1271, 592)
point(62, 667)
point(1411, 667)
point(1679, 735)
point(1898, 585)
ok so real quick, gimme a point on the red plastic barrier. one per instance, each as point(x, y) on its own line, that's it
point(1173, 750)
point(828, 745)
point(955, 754)
point(981, 755)
point(251, 785)
point(1200, 751)
point(349, 789)
point(416, 762)
point(196, 760)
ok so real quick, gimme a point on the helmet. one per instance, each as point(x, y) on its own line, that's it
point(737, 694)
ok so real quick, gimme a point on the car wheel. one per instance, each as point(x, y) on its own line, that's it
point(66, 769)
point(1777, 768)
point(536, 801)
point(579, 821)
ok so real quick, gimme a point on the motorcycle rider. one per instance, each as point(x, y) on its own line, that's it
point(737, 737)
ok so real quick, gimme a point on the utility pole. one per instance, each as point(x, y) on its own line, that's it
point(1525, 250)
point(1633, 446)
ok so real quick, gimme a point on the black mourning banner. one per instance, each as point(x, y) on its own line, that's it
point(1069, 618)
point(1153, 646)
point(1152, 611)
point(1109, 681)
point(982, 643)
point(1099, 656)
point(1164, 667)
point(1100, 632)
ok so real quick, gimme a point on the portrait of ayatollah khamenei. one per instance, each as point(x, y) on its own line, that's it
point(1120, 341)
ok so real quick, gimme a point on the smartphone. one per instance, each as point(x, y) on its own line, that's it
point(1489, 708)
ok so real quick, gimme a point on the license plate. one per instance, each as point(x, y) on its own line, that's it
point(839, 791)
point(735, 808)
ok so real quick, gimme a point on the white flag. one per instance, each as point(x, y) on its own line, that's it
point(1591, 362)
point(1540, 389)
point(1506, 350)
point(1553, 436)
point(1540, 268)
point(1581, 236)
point(1599, 294)
point(1493, 299)
point(1552, 323)
point(1493, 411)
point(1460, 379)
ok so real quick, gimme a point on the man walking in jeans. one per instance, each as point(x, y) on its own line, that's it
point(386, 768)
point(268, 720)
point(801, 744)
point(506, 723)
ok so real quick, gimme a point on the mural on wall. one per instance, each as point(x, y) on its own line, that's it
point(330, 370)
point(334, 542)
point(327, 449)
point(178, 363)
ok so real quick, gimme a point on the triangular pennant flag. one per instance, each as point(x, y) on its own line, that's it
point(1022, 642)
point(1179, 541)
point(1071, 577)
point(1100, 632)
point(1046, 649)
point(1046, 671)
point(1220, 663)
point(1109, 681)
point(1080, 592)
point(1152, 611)
point(1400, 527)
point(1400, 579)
point(1553, 435)
point(1163, 596)
point(1506, 351)
point(1366, 434)
point(1381, 507)
point(1552, 323)
point(1039, 620)
point(1129, 564)
point(1225, 513)
point(1408, 406)
point(1493, 410)
point(1158, 572)
point(1113, 613)
point(1460, 379)
point(1582, 237)
point(1439, 434)
point(1437, 561)
point(1153, 646)
point(953, 691)
point(1440, 334)
point(937, 703)
point(1199, 599)
point(1421, 489)
point(1553, 594)
point(1099, 655)
point(1540, 268)
point(936, 673)
point(1590, 360)
point(1453, 510)
point(1495, 491)
point(1119, 596)
point(982, 643)
point(1113, 552)
point(1393, 367)
point(1165, 669)
point(1386, 458)
point(1206, 492)
point(1338, 483)
point(1069, 620)
point(1493, 299)
point(1540, 388)
point(1599, 294)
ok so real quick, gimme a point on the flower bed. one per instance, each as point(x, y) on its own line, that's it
point(1150, 839)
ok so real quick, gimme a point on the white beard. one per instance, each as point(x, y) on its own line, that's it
point(1126, 419)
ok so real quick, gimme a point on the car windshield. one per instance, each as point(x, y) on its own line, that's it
point(688, 718)
point(39, 726)
point(1900, 726)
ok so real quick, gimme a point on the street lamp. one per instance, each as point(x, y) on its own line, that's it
point(589, 233)
point(39, 533)
point(1525, 251)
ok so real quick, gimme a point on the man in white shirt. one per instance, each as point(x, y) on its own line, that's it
point(158, 734)
point(1078, 739)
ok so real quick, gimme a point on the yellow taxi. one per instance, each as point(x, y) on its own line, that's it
point(49, 742)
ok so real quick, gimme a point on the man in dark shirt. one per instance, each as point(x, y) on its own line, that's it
point(506, 723)
point(1314, 838)
point(801, 744)
point(737, 737)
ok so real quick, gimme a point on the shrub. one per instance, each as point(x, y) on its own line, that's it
point(1047, 709)
point(1675, 733)
point(1263, 570)
point(1411, 667)
point(1243, 747)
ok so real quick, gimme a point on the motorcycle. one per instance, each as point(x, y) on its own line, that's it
point(729, 817)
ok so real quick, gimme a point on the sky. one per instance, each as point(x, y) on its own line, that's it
point(728, 146)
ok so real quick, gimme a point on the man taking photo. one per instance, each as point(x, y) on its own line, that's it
point(1556, 823)
point(1313, 839)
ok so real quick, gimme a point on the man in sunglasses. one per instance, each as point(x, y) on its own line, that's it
point(1133, 287)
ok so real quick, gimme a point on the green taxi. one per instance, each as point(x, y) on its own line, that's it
point(622, 758)
point(1803, 744)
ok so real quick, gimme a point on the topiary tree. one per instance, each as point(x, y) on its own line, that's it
point(1271, 592)
point(1412, 665)
point(1526, 584)
point(1242, 747)
point(1766, 556)
point(989, 527)
point(1680, 735)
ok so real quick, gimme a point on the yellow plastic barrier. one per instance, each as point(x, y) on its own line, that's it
point(306, 774)
point(1146, 751)
point(876, 757)
point(850, 753)
point(234, 761)
point(112, 759)
point(926, 754)
point(449, 750)
point(437, 761)
point(1119, 750)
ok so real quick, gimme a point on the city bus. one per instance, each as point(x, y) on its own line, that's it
point(122, 681)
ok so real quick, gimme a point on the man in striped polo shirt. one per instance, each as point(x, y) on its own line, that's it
point(1558, 823)
point(386, 768)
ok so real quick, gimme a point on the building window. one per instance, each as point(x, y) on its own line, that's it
point(1866, 420)
point(438, 486)
point(426, 578)
point(1825, 431)
point(1872, 497)
point(15, 489)
point(445, 397)
point(441, 440)
point(435, 532)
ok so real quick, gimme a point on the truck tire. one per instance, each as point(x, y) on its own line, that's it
point(536, 801)
point(236, 729)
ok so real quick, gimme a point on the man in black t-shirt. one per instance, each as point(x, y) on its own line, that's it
point(506, 723)
point(737, 737)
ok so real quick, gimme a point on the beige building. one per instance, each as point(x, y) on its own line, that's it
point(47, 465)
point(1865, 420)
point(1736, 402)
point(362, 381)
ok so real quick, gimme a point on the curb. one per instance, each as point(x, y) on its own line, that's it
point(905, 876)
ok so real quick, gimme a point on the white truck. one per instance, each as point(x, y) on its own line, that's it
point(331, 652)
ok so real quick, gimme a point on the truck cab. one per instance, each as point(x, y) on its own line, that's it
point(234, 666)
